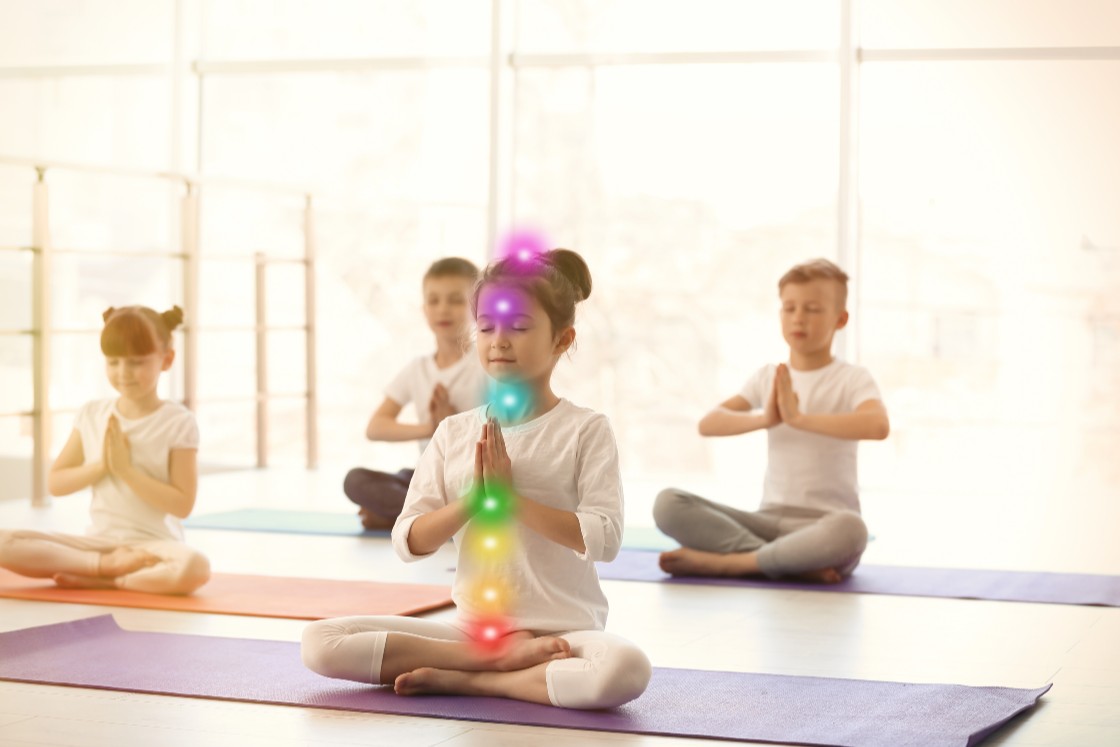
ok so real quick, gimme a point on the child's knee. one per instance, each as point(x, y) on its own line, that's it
point(626, 677)
point(850, 531)
point(614, 672)
point(194, 574)
point(667, 507)
point(314, 646)
point(322, 649)
point(353, 482)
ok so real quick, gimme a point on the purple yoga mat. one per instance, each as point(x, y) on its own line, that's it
point(954, 583)
point(95, 652)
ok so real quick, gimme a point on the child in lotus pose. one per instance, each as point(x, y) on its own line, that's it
point(438, 385)
point(815, 409)
point(138, 453)
point(560, 464)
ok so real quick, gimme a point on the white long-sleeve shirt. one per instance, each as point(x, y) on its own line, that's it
point(566, 459)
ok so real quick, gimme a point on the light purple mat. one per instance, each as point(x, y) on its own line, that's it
point(954, 583)
point(95, 652)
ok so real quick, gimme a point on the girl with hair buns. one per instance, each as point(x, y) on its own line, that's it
point(557, 466)
point(138, 454)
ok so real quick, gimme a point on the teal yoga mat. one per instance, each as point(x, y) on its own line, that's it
point(283, 520)
point(324, 522)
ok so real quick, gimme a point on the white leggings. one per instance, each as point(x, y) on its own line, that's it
point(180, 569)
point(789, 540)
point(604, 671)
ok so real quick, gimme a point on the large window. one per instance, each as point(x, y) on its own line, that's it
point(690, 149)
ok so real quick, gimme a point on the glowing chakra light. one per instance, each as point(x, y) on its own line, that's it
point(523, 244)
point(488, 630)
point(510, 400)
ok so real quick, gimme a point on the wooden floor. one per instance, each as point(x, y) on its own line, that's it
point(785, 632)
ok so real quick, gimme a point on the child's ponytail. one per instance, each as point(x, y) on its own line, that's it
point(172, 318)
point(574, 270)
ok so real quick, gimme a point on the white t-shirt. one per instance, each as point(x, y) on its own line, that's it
point(464, 380)
point(566, 459)
point(807, 469)
point(116, 511)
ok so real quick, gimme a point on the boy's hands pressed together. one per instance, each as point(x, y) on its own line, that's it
point(789, 406)
point(439, 407)
point(771, 415)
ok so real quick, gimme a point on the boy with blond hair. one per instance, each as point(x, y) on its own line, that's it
point(815, 409)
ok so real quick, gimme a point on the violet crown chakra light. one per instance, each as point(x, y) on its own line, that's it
point(522, 244)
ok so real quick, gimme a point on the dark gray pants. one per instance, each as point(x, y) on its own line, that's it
point(380, 493)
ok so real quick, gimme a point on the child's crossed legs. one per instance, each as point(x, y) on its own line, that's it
point(583, 669)
point(775, 541)
point(155, 567)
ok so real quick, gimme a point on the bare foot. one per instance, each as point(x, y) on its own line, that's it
point(371, 520)
point(685, 561)
point(74, 581)
point(431, 681)
point(823, 576)
point(124, 560)
point(525, 652)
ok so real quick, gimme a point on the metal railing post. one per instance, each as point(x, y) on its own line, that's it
point(262, 362)
point(41, 324)
point(312, 424)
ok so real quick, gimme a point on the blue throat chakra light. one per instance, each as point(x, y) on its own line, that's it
point(509, 401)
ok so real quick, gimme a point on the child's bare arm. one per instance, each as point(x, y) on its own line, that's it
point(868, 421)
point(383, 425)
point(176, 497)
point(733, 417)
point(68, 474)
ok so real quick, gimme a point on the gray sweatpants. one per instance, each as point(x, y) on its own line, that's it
point(789, 540)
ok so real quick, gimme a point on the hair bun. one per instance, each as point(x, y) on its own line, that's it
point(172, 318)
point(571, 266)
point(108, 313)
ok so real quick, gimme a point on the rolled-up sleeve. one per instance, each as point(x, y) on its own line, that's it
point(599, 484)
point(426, 493)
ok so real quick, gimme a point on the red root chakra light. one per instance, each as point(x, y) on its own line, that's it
point(488, 631)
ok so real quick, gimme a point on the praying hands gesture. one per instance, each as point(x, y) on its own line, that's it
point(439, 407)
point(491, 460)
point(784, 398)
point(117, 450)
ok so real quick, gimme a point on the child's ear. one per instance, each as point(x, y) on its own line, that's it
point(564, 341)
point(168, 359)
point(843, 320)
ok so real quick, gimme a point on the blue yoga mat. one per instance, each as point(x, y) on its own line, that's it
point(953, 583)
point(286, 521)
point(323, 522)
point(96, 653)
